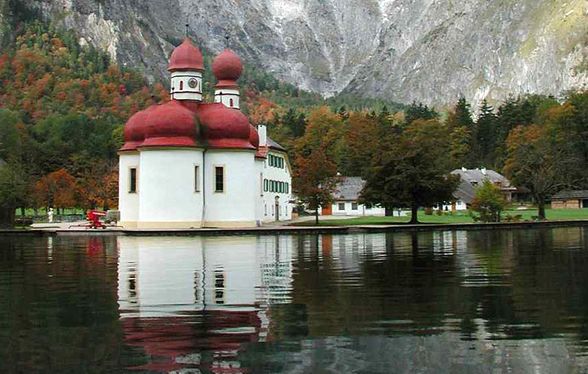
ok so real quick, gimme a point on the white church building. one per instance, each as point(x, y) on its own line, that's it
point(190, 164)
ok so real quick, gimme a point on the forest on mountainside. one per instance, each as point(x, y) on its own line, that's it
point(63, 107)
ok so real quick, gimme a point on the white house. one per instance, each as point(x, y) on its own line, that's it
point(345, 200)
point(470, 180)
point(189, 164)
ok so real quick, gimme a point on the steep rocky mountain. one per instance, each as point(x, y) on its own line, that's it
point(403, 50)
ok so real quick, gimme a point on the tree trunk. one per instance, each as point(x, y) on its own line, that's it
point(316, 214)
point(414, 213)
point(7, 216)
point(541, 207)
point(22, 211)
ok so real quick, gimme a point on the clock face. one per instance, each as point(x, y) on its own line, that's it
point(193, 83)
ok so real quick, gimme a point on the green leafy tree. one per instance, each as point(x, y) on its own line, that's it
point(488, 202)
point(411, 170)
point(13, 191)
point(10, 140)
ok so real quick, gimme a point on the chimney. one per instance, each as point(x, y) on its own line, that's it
point(262, 131)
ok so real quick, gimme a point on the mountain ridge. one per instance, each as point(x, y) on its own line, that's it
point(431, 51)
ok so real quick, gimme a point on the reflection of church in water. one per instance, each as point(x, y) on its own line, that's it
point(195, 303)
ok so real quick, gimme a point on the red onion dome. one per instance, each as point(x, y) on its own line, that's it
point(171, 125)
point(223, 127)
point(186, 57)
point(253, 136)
point(134, 130)
point(227, 67)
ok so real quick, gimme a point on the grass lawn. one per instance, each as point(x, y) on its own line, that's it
point(458, 217)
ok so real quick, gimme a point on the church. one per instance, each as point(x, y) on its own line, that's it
point(191, 164)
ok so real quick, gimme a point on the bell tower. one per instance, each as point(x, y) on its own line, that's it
point(227, 69)
point(186, 67)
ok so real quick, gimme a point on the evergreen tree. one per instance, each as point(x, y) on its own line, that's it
point(419, 111)
point(486, 135)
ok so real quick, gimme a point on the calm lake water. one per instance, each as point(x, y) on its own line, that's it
point(433, 302)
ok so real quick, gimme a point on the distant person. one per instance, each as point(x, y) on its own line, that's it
point(50, 215)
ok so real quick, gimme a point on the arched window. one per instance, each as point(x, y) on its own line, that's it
point(181, 85)
point(231, 103)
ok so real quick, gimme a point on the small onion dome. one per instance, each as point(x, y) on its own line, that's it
point(186, 56)
point(223, 127)
point(171, 125)
point(253, 136)
point(134, 130)
point(227, 68)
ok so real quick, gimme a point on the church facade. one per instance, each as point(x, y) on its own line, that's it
point(190, 164)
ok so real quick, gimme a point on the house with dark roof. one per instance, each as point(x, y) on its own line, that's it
point(345, 200)
point(577, 199)
point(470, 180)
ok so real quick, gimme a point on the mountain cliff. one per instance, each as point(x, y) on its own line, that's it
point(403, 50)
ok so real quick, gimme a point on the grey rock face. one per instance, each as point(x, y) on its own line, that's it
point(425, 50)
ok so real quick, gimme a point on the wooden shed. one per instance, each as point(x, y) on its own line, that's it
point(570, 200)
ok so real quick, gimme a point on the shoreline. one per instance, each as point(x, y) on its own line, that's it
point(284, 230)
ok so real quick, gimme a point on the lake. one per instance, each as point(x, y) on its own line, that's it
point(430, 302)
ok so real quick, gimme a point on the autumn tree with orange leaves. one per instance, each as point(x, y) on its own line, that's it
point(538, 163)
point(56, 189)
point(315, 180)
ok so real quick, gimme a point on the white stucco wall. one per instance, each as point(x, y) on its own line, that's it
point(225, 96)
point(459, 206)
point(187, 92)
point(361, 210)
point(128, 203)
point(259, 165)
point(235, 206)
point(269, 198)
point(167, 194)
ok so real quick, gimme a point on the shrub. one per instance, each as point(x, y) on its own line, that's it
point(488, 202)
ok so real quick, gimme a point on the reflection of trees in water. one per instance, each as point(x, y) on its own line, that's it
point(317, 298)
point(58, 310)
point(481, 283)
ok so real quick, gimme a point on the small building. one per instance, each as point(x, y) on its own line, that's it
point(345, 200)
point(570, 200)
point(470, 180)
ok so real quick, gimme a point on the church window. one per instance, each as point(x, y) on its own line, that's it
point(265, 185)
point(196, 178)
point(181, 85)
point(261, 184)
point(219, 179)
point(133, 180)
point(231, 103)
point(265, 209)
